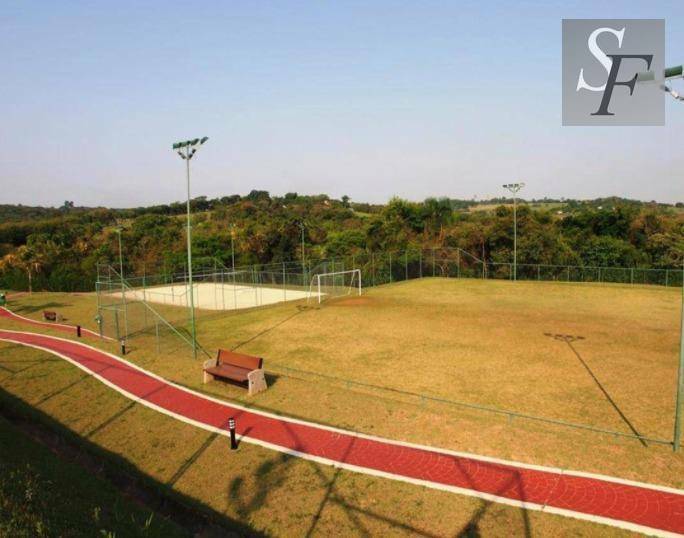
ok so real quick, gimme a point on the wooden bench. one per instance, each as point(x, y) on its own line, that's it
point(237, 367)
point(48, 315)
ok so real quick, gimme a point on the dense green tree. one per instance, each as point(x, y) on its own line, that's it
point(44, 248)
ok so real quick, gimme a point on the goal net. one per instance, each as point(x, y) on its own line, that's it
point(336, 284)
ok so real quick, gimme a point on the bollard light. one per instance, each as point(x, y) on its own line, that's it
point(231, 427)
point(78, 331)
point(123, 346)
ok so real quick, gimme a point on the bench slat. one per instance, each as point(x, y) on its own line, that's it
point(230, 372)
point(239, 359)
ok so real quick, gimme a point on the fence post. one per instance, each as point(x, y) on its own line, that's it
point(156, 326)
point(420, 263)
point(458, 263)
point(538, 272)
point(631, 275)
point(256, 289)
point(667, 277)
point(390, 266)
point(373, 269)
point(116, 325)
point(433, 262)
point(567, 278)
point(406, 265)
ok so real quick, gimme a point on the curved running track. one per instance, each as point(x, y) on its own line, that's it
point(629, 505)
point(7, 313)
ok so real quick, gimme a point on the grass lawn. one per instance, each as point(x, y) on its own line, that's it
point(467, 340)
point(41, 495)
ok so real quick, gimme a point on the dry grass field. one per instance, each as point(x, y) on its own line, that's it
point(492, 343)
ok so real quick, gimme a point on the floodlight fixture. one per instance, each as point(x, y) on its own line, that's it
point(513, 187)
point(669, 74)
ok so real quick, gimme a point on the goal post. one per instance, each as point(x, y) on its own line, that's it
point(335, 284)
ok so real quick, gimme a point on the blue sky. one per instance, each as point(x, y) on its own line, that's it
point(368, 99)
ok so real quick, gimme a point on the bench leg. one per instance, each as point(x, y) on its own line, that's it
point(206, 377)
point(257, 382)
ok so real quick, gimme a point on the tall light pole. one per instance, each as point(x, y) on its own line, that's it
point(187, 150)
point(679, 402)
point(119, 230)
point(232, 245)
point(515, 188)
point(668, 75)
point(301, 225)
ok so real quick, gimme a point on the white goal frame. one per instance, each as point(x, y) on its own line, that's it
point(355, 281)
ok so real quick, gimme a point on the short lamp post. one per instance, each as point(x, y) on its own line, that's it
point(515, 188)
point(187, 150)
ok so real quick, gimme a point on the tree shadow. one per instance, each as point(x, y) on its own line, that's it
point(569, 340)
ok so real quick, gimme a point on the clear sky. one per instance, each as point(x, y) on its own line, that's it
point(370, 99)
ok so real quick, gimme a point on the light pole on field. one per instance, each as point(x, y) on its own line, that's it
point(187, 150)
point(301, 225)
point(665, 80)
point(679, 401)
point(119, 230)
point(515, 188)
point(232, 246)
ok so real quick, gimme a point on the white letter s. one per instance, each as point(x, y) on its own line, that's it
point(597, 53)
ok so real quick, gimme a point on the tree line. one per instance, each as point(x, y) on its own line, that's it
point(58, 249)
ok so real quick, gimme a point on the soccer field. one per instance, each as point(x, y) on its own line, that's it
point(601, 355)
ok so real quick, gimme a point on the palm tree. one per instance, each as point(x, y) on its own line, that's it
point(26, 259)
point(438, 213)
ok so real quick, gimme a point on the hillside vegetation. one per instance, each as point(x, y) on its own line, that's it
point(57, 249)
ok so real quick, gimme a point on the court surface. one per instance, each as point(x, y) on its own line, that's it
point(218, 296)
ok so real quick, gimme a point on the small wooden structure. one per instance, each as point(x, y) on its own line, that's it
point(237, 367)
point(49, 315)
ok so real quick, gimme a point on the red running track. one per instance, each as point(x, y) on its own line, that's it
point(7, 313)
point(629, 505)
